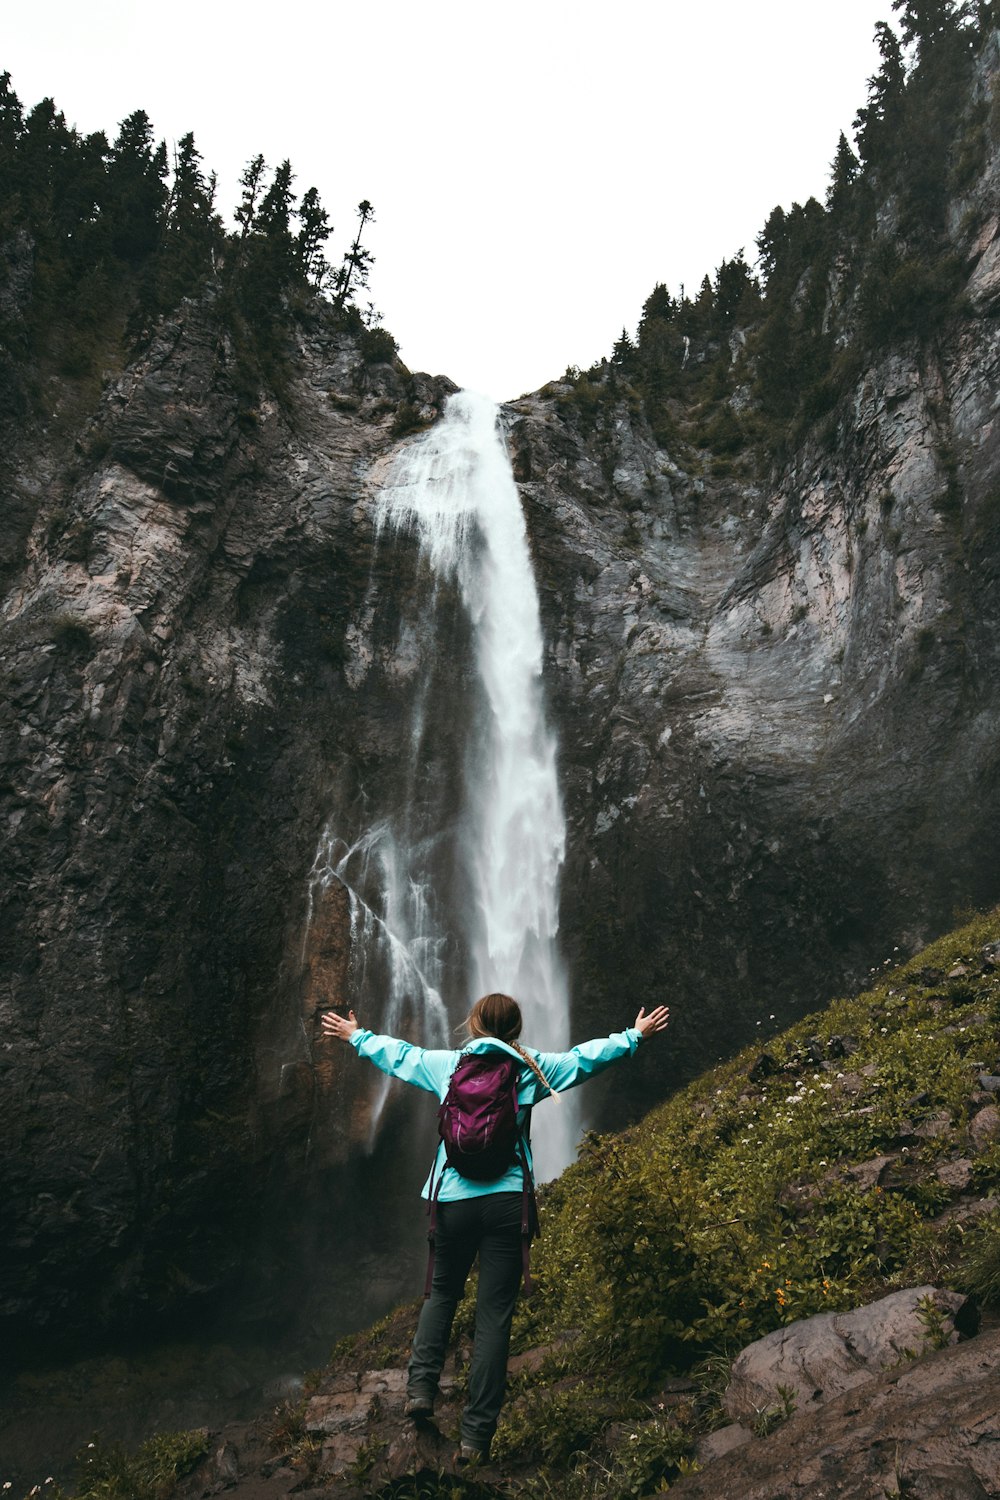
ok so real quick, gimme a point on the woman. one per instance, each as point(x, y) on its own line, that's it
point(483, 1218)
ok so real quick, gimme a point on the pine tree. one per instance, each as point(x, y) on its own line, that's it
point(624, 350)
point(877, 120)
point(926, 22)
point(353, 273)
point(192, 230)
point(136, 191)
point(251, 182)
point(844, 170)
point(11, 128)
point(736, 292)
point(315, 231)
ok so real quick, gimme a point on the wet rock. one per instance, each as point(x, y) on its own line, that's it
point(225, 1466)
point(990, 1082)
point(818, 1358)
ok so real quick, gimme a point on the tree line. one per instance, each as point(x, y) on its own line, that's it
point(835, 281)
point(126, 222)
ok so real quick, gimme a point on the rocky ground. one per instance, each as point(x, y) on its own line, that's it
point(837, 1405)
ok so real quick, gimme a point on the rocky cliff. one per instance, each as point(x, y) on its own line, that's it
point(777, 696)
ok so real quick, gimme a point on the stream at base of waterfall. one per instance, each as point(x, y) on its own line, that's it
point(454, 892)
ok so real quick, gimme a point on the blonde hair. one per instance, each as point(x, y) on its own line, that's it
point(500, 1016)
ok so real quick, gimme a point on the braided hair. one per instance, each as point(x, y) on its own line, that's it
point(500, 1016)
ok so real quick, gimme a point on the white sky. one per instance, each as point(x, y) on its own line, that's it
point(535, 167)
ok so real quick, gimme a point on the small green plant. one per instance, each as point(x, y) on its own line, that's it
point(552, 1426)
point(109, 1472)
point(647, 1457)
point(71, 633)
point(979, 1267)
point(772, 1416)
point(936, 1334)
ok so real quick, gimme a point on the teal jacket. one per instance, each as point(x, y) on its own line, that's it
point(432, 1071)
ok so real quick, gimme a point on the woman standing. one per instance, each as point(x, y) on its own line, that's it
point(475, 1217)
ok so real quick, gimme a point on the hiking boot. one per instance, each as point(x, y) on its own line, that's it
point(419, 1408)
point(468, 1453)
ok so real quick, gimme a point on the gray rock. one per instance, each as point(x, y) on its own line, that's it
point(956, 1175)
point(345, 1412)
point(724, 1440)
point(984, 1128)
point(820, 1357)
point(868, 1174)
point(938, 1417)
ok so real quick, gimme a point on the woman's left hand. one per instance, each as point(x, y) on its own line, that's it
point(339, 1026)
point(655, 1021)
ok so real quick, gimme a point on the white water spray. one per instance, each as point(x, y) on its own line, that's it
point(454, 490)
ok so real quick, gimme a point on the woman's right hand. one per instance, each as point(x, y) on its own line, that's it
point(654, 1022)
point(338, 1026)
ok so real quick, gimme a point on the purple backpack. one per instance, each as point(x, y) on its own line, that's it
point(478, 1119)
point(482, 1137)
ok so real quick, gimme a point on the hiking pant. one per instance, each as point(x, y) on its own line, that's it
point(490, 1225)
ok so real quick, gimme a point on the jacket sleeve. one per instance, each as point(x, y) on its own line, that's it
point(566, 1069)
point(417, 1065)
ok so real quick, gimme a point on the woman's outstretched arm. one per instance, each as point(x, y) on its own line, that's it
point(417, 1065)
point(565, 1069)
point(342, 1027)
point(656, 1020)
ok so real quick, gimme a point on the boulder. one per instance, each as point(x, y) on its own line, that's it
point(929, 1429)
point(955, 1174)
point(984, 1128)
point(821, 1357)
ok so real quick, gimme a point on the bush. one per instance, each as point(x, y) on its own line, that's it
point(979, 1270)
point(377, 345)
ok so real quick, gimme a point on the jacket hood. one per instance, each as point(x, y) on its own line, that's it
point(491, 1044)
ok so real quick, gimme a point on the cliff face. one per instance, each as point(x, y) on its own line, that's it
point(777, 699)
point(176, 726)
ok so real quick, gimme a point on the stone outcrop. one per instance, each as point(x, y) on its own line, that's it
point(812, 1361)
point(929, 1429)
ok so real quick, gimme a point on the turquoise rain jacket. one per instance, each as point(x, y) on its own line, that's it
point(432, 1071)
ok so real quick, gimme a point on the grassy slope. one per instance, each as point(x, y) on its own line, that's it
point(731, 1210)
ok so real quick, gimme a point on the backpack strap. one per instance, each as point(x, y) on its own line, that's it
point(529, 1218)
point(432, 1210)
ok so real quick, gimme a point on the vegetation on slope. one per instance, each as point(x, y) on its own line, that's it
point(844, 1159)
point(827, 1169)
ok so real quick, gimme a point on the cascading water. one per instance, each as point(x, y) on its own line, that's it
point(457, 884)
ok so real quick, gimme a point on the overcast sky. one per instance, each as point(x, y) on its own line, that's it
point(535, 167)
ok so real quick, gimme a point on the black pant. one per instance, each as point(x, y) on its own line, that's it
point(491, 1225)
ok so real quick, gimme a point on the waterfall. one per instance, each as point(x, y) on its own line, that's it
point(453, 879)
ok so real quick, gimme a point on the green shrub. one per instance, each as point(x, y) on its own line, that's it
point(151, 1473)
point(377, 345)
point(979, 1269)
